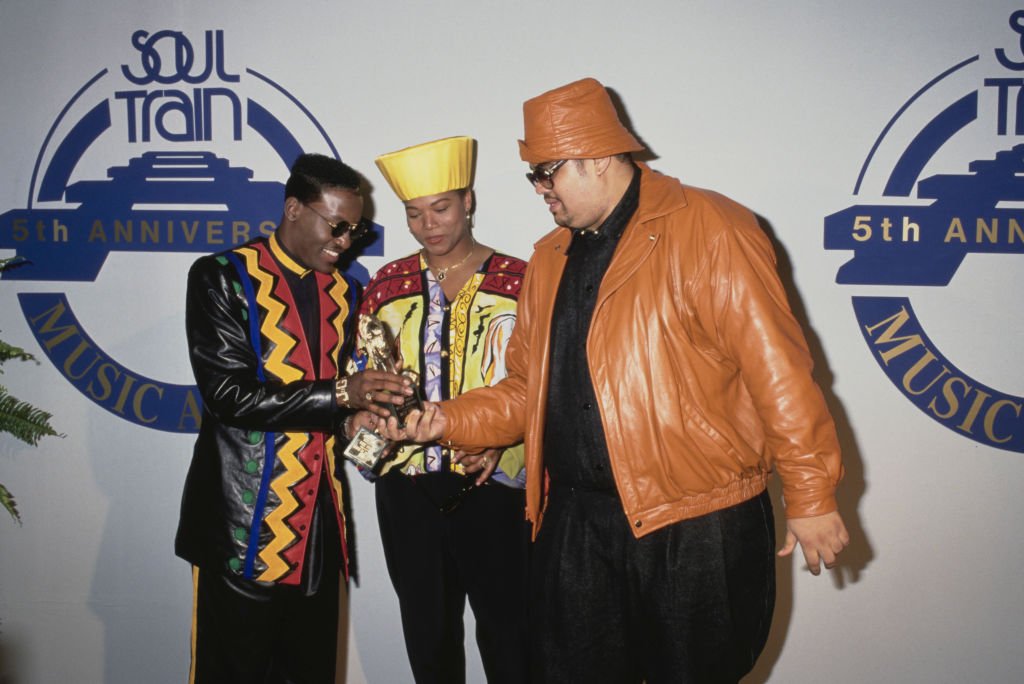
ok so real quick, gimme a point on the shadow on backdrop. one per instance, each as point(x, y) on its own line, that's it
point(855, 558)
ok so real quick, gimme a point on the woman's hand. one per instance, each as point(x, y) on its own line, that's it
point(485, 463)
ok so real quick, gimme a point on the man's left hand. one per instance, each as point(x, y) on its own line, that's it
point(821, 537)
point(367, 389)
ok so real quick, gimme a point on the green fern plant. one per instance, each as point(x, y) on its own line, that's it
point(19, 418)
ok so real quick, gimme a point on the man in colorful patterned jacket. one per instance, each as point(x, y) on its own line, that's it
point(261, 515)
point(657, 377)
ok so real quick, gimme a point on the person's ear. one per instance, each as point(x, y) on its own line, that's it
point(292, 206)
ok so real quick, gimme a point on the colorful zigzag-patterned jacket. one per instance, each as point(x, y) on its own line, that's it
point(269, 412)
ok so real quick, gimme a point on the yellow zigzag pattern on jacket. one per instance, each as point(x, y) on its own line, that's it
point(460, 320)
point(337, 293)
point(283, 342)
point(283, 535)
point(329, 444)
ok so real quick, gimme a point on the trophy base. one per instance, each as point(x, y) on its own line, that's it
point(366, 449)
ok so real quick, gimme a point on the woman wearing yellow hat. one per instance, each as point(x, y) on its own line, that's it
point(452, 524)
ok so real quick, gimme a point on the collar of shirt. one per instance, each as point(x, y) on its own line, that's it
point(285, 257)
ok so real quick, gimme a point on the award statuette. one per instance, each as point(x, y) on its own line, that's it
point(367, 447)
point(382, 354)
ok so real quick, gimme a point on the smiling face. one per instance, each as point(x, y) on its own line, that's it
point(306, 233)
point(439, 223)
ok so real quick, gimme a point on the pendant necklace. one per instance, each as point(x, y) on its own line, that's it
point(442, 273)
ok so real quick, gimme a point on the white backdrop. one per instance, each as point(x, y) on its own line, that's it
point(775, 104)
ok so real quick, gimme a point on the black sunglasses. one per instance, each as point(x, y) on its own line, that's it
point(543, 175)
point(355, 231)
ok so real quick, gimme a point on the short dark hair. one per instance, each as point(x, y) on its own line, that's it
point(312, 173)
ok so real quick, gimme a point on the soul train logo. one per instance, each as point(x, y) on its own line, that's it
point(954, 190)
point(185, 131)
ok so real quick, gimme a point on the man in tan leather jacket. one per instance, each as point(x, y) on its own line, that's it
point(657, 377)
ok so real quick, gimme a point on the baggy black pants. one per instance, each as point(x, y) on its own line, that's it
point(246, 633)
point(437, 560)
point(689, 603)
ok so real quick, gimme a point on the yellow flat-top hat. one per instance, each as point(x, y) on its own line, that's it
point(430, 168)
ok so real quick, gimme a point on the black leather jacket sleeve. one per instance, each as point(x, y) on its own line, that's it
point(227, 369)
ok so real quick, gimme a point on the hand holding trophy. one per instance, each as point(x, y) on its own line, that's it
point(366, 447)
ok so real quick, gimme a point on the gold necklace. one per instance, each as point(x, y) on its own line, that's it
point(442, 273)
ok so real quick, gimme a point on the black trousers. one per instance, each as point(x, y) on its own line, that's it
point(690, 603)
point(437, 560)
point(249, 633)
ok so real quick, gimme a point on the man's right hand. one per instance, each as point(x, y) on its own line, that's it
point(420, 426)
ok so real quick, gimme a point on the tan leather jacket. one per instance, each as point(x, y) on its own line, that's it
point(701, 372)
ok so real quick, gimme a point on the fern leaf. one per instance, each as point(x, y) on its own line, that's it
point(23, 420)
point(9, 351)
point(8, 503)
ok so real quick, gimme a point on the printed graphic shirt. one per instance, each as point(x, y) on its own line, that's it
point(454, 346)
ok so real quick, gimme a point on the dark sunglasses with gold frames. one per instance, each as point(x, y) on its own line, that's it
point(542, 174)
point(355, 231)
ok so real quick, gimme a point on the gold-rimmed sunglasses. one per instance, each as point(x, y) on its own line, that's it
point(543, 174)
point(355, 231)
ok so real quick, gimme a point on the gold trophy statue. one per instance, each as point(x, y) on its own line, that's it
point(367, 447)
